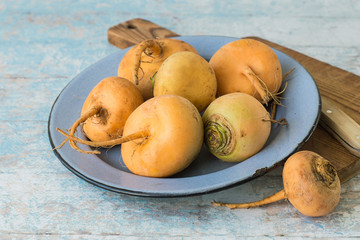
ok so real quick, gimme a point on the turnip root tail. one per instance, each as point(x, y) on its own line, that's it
point(93, 111)
point(274, 198)
point(275, 96)
point(141, 134)
point(281, 121)
point(150, 47)
point(83, 118)
point(73, 140)
point(287, 74)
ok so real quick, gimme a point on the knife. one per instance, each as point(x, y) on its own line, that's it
point(340, 126)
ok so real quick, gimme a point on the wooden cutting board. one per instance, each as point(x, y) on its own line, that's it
point(341, 89)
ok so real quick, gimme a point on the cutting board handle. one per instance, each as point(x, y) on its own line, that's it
point(136, 30)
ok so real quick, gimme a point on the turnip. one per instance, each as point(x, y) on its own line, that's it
point(247, 66)
point(161, 137)
point(142, 61)
point(236, 127)
point(311, 184)
point(189, 75)
point(106, 109)
point(116, 98)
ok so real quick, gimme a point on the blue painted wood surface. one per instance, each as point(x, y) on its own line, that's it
point(43, 45)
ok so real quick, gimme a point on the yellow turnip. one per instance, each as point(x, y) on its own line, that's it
point(106, 110)
point(115, 98)
point(247, 66)
point(142, 61)
point(236, 127)
point(311, 184)
point(189, 75)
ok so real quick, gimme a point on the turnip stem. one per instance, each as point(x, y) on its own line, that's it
point(141, 134)
point(155, 47)
point(274, 198)
point(258, 84)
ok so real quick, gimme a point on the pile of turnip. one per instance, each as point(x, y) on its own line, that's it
point(153, 109)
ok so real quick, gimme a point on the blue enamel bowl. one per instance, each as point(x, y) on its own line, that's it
point(207, 173)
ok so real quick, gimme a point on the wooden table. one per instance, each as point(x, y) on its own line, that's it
point(43, 45)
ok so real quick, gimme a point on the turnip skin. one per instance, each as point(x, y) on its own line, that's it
point(176, 136)
point(189, 75)
point(116, 99)
point(143, 60)
point(311, 184)
point(236, 127)
point(105, 111)
point(247, 66)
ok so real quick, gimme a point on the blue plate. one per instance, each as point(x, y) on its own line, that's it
point(207, 173)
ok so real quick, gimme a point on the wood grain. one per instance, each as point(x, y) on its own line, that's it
point(134, 34)
point(340, 86)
